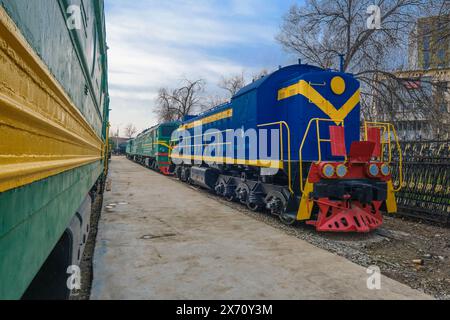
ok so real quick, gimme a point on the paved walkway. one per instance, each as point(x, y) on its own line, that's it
point(164, 240)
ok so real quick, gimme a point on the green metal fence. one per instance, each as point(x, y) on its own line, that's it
point(426, 187)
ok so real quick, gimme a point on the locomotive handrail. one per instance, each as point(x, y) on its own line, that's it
point(390, 128)
point(319, 141)
point(281, 124)
point(386, 132)
point(161, 143)
point(400, 159)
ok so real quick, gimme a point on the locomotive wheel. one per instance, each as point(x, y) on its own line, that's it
point(185, 174)
point(242, 193)
point(178, 173)
point(231, 198)
point(254, 207)
point(276, 203)
point(220, 187)
point(287, 219)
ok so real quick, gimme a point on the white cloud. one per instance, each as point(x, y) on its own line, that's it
point(157, 43)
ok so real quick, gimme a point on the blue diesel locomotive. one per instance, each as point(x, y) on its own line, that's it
point(314, 169)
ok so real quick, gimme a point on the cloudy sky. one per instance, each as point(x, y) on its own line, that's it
point(156, 43)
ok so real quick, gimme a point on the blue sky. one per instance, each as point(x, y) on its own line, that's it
point(157, 43)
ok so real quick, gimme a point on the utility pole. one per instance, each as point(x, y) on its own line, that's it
point(117, 140)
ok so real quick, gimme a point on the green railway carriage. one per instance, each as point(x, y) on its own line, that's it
point(53, 128)
point(128, 147)
point(151, 148)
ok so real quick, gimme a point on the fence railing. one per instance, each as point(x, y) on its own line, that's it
point(426, 186)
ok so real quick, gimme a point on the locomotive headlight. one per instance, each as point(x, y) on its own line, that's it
point(338, 85)
point(341, 170)
point(374, 170)
point(328, 171)
point(385, 170)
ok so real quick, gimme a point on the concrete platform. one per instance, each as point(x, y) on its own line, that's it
point(164, 240)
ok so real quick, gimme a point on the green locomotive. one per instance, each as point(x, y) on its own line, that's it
point(53, 128)
point(151, 148)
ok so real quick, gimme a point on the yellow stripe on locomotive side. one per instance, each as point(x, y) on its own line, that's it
point(213, 118)
point(306, 203)
point(42, 132)
point(274, 164)
point(305, 89)
point(391, 203)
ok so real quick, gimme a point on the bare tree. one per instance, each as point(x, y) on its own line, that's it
point(233, 84)
point(165, 109)
point(177, 103)
point(321, 30)
point(130, 130)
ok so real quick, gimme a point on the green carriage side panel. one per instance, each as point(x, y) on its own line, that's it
point(33, 217)
point(32, 221)
point(129, 148)
point(76, 58)
point(145, 143)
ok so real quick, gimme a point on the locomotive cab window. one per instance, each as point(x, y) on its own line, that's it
point(166, 131)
